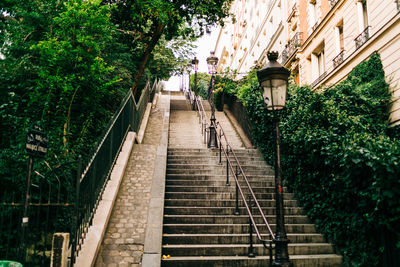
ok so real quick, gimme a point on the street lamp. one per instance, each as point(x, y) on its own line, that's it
point(195, 64)
point(212, 61)
point(274, 81)
point(189, 69)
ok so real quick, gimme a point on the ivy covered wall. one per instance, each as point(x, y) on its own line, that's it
point(339, 159)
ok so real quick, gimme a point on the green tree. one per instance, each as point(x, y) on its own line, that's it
point(144, 22)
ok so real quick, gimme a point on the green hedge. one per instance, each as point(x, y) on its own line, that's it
point(339, 159)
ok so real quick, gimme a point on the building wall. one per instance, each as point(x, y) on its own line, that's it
point(264, 25)
point(384, 37)
point(258, 28)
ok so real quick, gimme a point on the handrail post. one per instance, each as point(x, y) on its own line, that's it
point(220, 146)
point(227, 165)
point(251, 248)
point(270, 254)
point(237, 193)
point(74, 233)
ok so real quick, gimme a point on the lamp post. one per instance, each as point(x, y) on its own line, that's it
point(195, 64)
point(274, 81)
point(212, 61)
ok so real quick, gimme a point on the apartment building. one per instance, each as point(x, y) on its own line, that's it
point(258, 27)
point(320, 41)
point(340, 34)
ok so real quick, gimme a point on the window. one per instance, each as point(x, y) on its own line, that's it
point(339, 38)
point(362, 15)
point(339, 45)
point(313, 15)
point(318, 63)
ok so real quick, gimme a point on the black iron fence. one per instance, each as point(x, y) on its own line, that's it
point(66, 197)
point(51, 209)
point(97, 171)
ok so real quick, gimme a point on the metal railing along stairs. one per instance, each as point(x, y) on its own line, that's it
point(234, 167)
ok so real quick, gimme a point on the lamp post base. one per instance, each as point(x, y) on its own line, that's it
point(281, 253)
point(212, 140)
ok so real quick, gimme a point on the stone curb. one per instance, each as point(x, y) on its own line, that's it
point(153, 239)
point(90, 248)
point(143, 125)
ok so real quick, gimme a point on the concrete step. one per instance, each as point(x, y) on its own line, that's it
point(209, 177)
point(193, 182)
point(232, 228)
point(217, 171)
point(226, 195)
point(223, 203)
point(172, 210)
point(208, 160)
point(213, 151)
point(324, 260)
point(246, 165)
point(243, 249)
point(241, 219)
point(231, 188)
point(234, 238)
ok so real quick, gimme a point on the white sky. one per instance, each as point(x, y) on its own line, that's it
point(205, 45)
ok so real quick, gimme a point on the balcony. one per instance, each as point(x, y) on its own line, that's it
point(313, 28)
point(338, 59)
point(333, 2)
point(362, 38)
point(291, 47)
point(319, 79)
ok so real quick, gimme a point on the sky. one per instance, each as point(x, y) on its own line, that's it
point(205, 45)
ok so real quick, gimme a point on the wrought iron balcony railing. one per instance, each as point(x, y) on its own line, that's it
point(319, 79)
point(315, 26)
point(362, 38)
point(333, 2)
point(291, 46)
point(338, 59)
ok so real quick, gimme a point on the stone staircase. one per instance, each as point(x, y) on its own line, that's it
point(200, 225)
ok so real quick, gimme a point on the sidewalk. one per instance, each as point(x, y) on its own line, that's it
point(123, 243)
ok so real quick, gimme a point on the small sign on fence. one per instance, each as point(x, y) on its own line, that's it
point(36, 141)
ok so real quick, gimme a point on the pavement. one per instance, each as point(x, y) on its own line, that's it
point(124, 240)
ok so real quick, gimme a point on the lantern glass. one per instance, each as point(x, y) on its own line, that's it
point(212, 62)
point(195, 63)
point(274, 93)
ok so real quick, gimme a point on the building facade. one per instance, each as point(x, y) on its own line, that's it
point(321, 41)
point(258, 27)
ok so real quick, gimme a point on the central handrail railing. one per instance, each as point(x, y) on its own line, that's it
point(236, 171)
point(202, 116)
point(253, 202)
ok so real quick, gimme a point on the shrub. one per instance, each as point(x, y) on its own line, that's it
point(338, 158)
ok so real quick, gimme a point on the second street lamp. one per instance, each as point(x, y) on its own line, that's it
point(195, 63)
point(274, 81)
point(212, 61)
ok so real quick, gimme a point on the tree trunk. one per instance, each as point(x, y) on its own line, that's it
point(154, 40)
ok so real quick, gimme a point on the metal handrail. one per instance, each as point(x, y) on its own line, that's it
point(252, 223)
point(94, 176)
point(202, 117)
point(228, 148)
point(226, 151)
